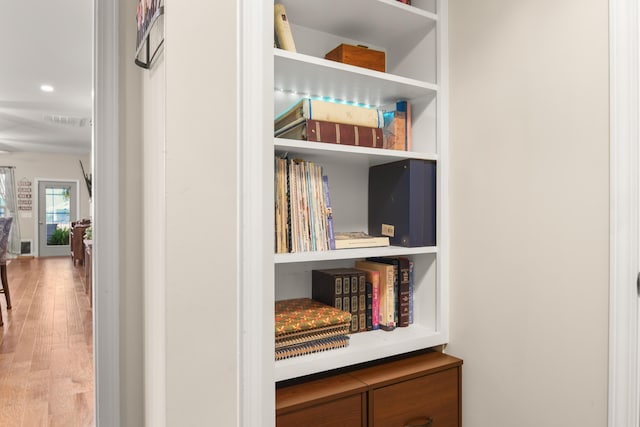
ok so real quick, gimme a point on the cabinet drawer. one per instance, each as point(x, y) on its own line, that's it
point(343, 412)
point(434, 397)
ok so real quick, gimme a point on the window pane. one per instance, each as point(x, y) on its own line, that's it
point(58, 215)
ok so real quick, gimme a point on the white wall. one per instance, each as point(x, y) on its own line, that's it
point(529, 210)
point(201, 213)
point(529, 204)
point(178, 162)
point(51, 166)
point(155, 238)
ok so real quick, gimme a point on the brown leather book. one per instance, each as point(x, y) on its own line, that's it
point(328, 285)
point(335, 133)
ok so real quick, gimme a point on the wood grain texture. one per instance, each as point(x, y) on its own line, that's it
point(406, 368)
point(359, 56)
point(432, 396)
point(46, 346)
point(296, 397)
point(344, 412)
point(419, 389)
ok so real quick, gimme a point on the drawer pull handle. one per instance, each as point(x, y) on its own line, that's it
point(424, 422)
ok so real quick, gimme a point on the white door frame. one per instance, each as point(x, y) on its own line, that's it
point(624, 207)
point(35, 248)
point(255, 77)
point(106, 230)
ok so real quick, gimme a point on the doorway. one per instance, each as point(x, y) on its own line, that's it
point(57, 207)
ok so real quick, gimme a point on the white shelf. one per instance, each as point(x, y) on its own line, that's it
point(307, 75)
point(346, 153)
point(340, 254)
point(412, 39)
point(385, 21)
point(363, 346)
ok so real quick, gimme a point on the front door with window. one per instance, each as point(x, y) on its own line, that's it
point(56, 209)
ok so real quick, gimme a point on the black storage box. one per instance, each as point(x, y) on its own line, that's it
point(402, 202)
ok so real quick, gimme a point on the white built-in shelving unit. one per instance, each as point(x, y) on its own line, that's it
point(414, 39)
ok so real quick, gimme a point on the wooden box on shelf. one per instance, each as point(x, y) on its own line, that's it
point(360, 56)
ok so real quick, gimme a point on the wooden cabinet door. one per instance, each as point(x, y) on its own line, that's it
point(431, 400)
point(343, 412)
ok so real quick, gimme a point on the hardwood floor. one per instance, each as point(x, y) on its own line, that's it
point(46, 348)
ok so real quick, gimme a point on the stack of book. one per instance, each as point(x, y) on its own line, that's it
point(378, 292)
point(396, 288)
point(303, 214)
point(319, 120)
point(304, 326)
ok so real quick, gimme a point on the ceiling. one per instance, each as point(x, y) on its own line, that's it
point(46, 42)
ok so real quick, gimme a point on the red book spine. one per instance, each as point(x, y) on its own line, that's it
point(338, 133)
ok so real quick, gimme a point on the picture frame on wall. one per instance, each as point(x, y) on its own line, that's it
point(150, 31)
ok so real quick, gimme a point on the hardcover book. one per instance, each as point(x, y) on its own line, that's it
point(282, 214)
point(397, 134)
point(402, 202)
point(372, 281)
point(369, 306)
point(405, 106)
point(396, 268)
point(282, 28)
point(330, 286)
point(395, 123)
point(326, 111)
point(386, 292)
point(401, 269)
point(334, 133)
point(361, 293)
point(411, 292)
point(358, 239)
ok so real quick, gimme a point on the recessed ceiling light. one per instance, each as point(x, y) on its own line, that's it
point(46, 88)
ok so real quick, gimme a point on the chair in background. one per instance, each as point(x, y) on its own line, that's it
point(5, 228)
point(76, 236)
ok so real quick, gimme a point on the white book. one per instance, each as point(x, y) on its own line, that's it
point(327, 111)
point(358, 239)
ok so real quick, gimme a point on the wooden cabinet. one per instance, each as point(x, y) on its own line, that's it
point(423, 401)
point(417, 390)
